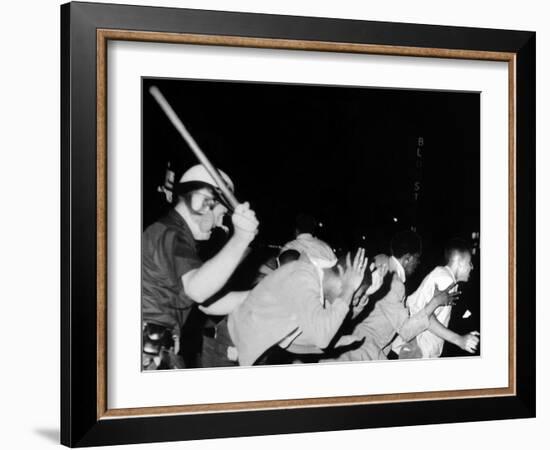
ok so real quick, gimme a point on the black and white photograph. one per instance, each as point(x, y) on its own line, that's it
point(298, 224)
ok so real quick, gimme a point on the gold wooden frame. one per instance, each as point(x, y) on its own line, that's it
point(103, 36)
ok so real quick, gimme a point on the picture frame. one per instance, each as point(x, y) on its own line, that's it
point(86, 419)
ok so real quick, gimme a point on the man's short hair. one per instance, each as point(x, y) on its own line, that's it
point(406, 242)
point(456, 245)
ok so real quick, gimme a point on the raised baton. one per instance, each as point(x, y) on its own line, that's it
point(203, 159)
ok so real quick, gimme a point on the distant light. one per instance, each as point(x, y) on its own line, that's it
point(320, 224)
point(474, 235)
point(363, 237)
point(395, 219)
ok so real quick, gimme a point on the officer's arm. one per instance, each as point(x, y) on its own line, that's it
point(226, 304)
point(202, 283)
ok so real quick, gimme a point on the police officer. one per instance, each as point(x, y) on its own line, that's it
point(174, 278)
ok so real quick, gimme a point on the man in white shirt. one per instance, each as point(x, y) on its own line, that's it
point(430, 342)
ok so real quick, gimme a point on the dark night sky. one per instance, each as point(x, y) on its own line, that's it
point(347, 155)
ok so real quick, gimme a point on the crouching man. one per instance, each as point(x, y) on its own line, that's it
point(288, 308)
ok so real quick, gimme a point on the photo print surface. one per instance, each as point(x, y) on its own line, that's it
point(350, 232)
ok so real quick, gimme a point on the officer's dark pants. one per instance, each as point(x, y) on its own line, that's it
point(215, 344)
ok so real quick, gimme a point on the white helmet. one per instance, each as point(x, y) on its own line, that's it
point(199, 174)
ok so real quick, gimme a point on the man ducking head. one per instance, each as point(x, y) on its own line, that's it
point(300, 306)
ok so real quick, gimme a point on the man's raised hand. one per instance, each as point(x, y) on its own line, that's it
point(446, 297)
point(353, 275)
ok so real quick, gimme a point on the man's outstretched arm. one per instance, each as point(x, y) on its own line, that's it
point(420, 321)
point(226, 304)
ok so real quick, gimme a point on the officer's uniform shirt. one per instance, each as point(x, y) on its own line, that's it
point(169, 251)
